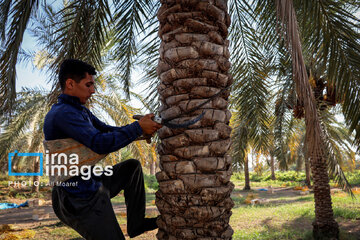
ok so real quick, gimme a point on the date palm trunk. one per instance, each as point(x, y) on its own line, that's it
point(36, 179)
point(272, 166)
point(246, 172)
point(307, 173)
point(152, 168)
point(194, 181)
point(324, 225)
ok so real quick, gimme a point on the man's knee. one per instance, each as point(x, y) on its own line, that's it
point(133, 164)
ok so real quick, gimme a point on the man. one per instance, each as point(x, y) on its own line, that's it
point(85, 206)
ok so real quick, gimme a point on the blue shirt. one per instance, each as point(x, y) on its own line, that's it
point(70, 119)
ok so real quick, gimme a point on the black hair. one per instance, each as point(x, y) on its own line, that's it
point(74, 69)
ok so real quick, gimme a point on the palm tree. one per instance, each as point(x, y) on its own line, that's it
point(320, 24)
point(324, 225)
point(14, 17)
point(240, 148)
point(194, 181)
point(251, 95)
point(328, 30)
point(24, 131)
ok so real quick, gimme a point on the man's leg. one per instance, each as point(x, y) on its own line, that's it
point(128, 176)
point(94, 218)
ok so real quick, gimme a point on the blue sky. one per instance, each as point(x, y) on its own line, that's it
point(27, 75)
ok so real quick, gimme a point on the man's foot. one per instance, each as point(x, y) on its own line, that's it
point(149, 224)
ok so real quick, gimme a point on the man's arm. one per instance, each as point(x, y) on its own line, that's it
point(146, 123)
point(103, 127)
point(75, 126)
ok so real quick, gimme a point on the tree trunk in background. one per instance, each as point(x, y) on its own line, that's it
point(36, 179)
point(299, 163)
point(307, 173)
point(272, 166)
point(324, 225)
point(246, 172)
point(153, 168)
point(194, 181)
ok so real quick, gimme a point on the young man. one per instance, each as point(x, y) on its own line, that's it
point(85, 206)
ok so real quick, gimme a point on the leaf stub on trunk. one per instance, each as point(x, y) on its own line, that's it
point(194, 181)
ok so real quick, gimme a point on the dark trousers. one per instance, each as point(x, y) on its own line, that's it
point(94, 218)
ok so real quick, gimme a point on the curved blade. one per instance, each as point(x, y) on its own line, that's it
point(185, 124)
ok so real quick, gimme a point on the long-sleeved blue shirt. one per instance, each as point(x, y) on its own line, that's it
point(70, 119)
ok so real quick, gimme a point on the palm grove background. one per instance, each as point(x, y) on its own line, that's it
point(294, 65)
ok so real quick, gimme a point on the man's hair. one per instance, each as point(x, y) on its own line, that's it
point(74, 69)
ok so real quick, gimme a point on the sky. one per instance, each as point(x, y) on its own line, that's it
point(27, 75)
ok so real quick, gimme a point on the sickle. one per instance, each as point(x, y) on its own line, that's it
point(168, 124)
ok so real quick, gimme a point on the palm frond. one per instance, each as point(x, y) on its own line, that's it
point(338, 148)
point(20, 13)
point(79, 30)
point(5, 7)
point(149, 55)
point(239, 142)
point(284, 100)
point(121, 113)
point(332, 33)
point(251, 67)
point(129, 23)
point(28, 116)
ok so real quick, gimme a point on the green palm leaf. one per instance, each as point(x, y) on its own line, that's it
point(12, 36)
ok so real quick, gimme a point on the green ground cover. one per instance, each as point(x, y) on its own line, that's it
point(286, 179)
point(287, 217)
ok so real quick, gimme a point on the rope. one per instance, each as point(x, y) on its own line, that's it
point(198, 106)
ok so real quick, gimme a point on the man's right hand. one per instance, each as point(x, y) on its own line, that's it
point(148, 126)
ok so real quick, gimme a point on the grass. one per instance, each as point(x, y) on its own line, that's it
point(286, 179)
point(56, 230)
point(288, 217)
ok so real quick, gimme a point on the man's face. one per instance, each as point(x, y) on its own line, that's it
point(83, 90)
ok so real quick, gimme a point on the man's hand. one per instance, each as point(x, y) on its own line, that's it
point(148, 126)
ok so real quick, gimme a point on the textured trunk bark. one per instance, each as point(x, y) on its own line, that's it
point(246, 172)
point(194, 181)
point(324, 225)
point(36, 179)
point(307, 173)
point(272, 166)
